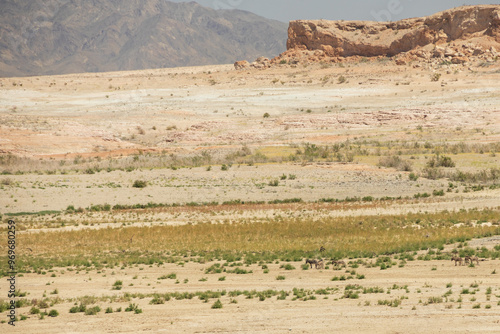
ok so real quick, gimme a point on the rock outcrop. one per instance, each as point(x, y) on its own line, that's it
point(456, 33)
point(259, 63)
point(241, 65)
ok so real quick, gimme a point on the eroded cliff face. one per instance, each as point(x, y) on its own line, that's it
point(458, 32)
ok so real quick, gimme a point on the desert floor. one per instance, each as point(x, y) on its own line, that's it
point(209, 135)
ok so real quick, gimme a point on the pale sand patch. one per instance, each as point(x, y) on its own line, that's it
point(362, 315)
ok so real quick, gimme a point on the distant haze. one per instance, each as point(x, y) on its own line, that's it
point(372, 10)
point(43, 37)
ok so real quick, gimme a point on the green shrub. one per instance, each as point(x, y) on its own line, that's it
point(157, 300)
point(217, 304)
point(438, 192)
point(440, 161)
point(288, 266)
point(140, 184)
point(413, 177)
point(34, 310)
point(133, 307)
point(53, 313)
point(274, 183)
point(76, 309)
point(93, 310)
point(117, 285)
point(395, 161)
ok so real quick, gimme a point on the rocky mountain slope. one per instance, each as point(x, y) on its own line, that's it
point(63, 36)
point(460, 32)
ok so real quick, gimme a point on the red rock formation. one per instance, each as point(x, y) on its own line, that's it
point(369, 39)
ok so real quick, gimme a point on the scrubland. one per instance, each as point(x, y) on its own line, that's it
point(187, 200)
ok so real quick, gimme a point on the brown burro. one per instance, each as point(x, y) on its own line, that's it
point(471, 259)
point(311, 262)
point(338, 263)
point(457, 259)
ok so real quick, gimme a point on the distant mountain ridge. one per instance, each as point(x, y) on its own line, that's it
point(67, 36)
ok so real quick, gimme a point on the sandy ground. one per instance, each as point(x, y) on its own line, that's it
point(218, 109)
point(91, 113)
point(415, 284)
point(56, 192)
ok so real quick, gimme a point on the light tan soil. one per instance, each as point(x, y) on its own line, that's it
point(190, 110)
point(424, 280)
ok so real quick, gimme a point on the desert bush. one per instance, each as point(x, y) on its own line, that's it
point(34, 310)
point(117, 285)
point(239, 271)
point(169, 276)
point(274, 183)
point(139, 184)
point(396, 162)
point(435, 77)
point(433, 173)
point(76, 309)
point(217, 304)
point(438, 192)
point(93, 310)
point(287, 266)
point(53, 313)
point(392, 303)
point(6, 181)
point(434, 300)
point(440, 161)
point(133, 307)
point(484, 176)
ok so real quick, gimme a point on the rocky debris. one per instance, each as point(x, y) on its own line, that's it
point(454, 35)
point(494, 51)
point(353, 119)
point(241, 65)
point(459, 60)
point(259, 63)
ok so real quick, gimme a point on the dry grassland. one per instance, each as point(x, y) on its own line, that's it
point(187, 200)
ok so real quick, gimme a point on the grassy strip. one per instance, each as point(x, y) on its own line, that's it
point(152, 205)
point(40, 213)
point(390, 151)
point(286, 239)
point(161, 298)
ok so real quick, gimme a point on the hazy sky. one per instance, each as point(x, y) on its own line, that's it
point(373, 10)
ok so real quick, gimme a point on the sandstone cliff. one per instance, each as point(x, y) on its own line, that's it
point(459, 32)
